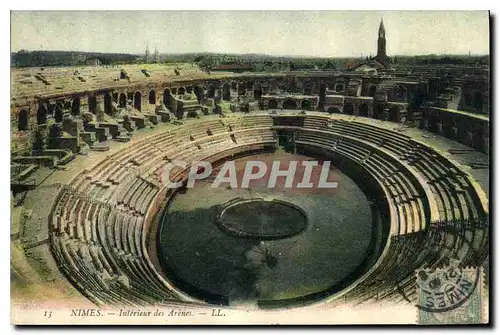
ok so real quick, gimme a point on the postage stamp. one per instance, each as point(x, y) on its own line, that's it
point(450, 295)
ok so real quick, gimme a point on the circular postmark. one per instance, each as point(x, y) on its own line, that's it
point(444, 289)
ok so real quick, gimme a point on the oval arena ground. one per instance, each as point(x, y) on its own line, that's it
point(116, 234)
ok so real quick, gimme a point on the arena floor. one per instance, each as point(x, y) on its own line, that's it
point(34, 233)
point(204, 260)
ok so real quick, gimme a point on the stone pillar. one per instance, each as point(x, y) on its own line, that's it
point(218, 95)
point(99, 102)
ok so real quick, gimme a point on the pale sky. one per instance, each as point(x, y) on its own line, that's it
point(308, 33)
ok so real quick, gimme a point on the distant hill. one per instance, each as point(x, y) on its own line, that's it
point(208, 60)
point(25, 58)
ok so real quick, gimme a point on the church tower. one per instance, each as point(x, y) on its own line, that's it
point(381, 40)
point(381, 45)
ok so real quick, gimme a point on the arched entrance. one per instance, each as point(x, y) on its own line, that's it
point(59, 113)
point(363, 110)
point(211, 91)
point(393, 114)
point(241, 89)
point(378, 112)
point(181, 91)
point(75, 106)
point(348, 109)
point(167, 97)
point(226, 92)
point(152, 97)
point(306, 104)
point(41, 114)
point(400, 93)
point(199, 92)
point(257, 91)
point(339, 87)
point(137, 100)
point(322, 95)
point(333, 110)
point(108, 104)
point(372, 90)
point(272, 104)
point(289, 104)
point(122, 102)
point(22, 120)
point(92, 104)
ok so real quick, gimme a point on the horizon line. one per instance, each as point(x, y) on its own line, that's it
point(253, 53)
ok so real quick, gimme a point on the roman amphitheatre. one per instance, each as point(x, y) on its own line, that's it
point(93, 221)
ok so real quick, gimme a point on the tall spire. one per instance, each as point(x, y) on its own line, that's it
point(381, 28)
point(381, 44)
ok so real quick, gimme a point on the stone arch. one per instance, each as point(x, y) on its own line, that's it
point(167, 97)
point(272, 104)
point(289, 104)
point(181, 91)
point(137, 101)
point(199, 92)
point(174, 91)
point(241, 89)
point(211, 91)
point(400, 93)
point(59, 113)
point(189, 89)
point(348, 108)
point(75, 106)
point(108, 104)
point(22, 120)
point(257, 91)
point(122, 100)
point(363, 110)
point(378, 112)
point(393, 114)
point(226, 92)
point(306, 104)
point(371, 90)
point(339, 87)
point(322, 94)
point(152, 97)
point(92, 104)
point(274, 87)
point(115, 97)
point(307, 88)
point(50, 109)
point(41, 114)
